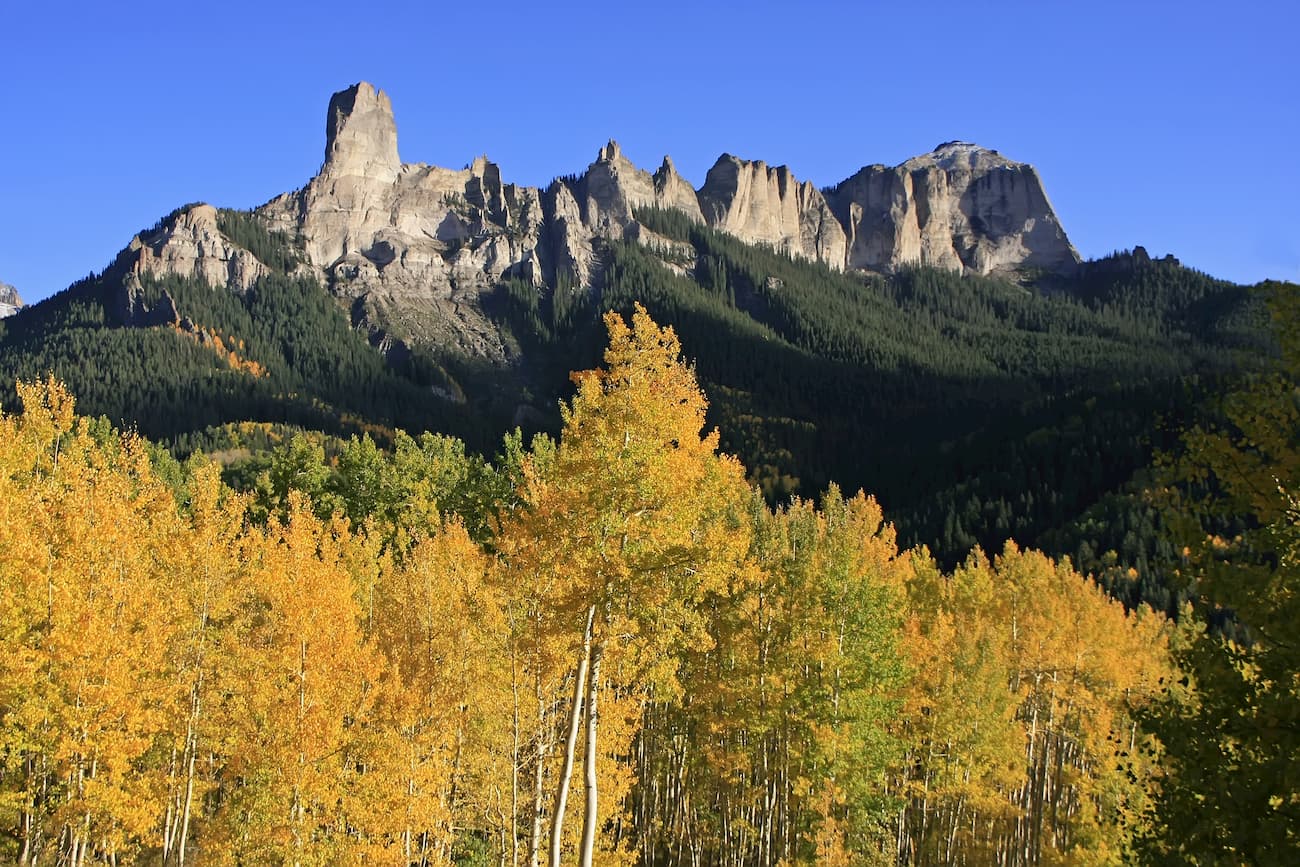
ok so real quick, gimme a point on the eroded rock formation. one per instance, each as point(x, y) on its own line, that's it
point(415, 250)
point(763, 205)
point(960, 207)
point(192, 245)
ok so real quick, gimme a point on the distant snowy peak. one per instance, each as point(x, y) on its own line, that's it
point(10, 303)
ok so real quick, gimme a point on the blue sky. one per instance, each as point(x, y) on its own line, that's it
point(1174, 125)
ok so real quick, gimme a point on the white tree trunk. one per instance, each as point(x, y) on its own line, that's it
point(571, 743)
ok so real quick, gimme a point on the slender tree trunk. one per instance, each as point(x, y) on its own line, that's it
point(589, 816)
point(514, 754)
point(183, 842)
point(169, 819)
point(571, 743)
point(539, 778)
point(179, 838)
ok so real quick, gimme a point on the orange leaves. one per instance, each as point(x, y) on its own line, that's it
point(298, 679)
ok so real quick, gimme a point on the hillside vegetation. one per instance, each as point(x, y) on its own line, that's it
point(978, 410)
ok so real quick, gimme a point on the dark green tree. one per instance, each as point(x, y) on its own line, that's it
point(1232, 736)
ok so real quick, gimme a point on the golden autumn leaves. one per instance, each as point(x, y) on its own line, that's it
point(641, 663)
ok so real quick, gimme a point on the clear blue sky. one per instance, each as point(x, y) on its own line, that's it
point(1174, 125)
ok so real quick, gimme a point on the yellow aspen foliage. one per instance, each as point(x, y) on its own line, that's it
point(83, 669)
point(712, 680)
point(790, 704)
point(440, 753)
point(633, 521)
point(199, 595)
point(1021, 714)
point(298, 680)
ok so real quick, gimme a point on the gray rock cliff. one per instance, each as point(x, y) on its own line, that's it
point(192, 246)
point(763, 205)
point(415, 251)
point(960, 207)
point(600, 202)
point(412, 246)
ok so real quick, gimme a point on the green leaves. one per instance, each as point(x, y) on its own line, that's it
point(1232, 743)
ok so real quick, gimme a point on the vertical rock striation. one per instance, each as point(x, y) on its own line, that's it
point(960, 207)
point(10, 303)
point(762, 205)
point(192, 245)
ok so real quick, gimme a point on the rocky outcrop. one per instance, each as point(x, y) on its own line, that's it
point(960, 207)
point(673, 192)
point(10, 303)
point(411, 247)
point(601, 203)
point(361, 136)
point(134, 311)
point(416, 251)
point(191, 245)
point(762, 205)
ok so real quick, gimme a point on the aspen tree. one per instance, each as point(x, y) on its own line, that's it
point(83, 671)
point(298, 682)
point(1021, 718)
point(635, 520)
point(444, 709)
point(205, 574)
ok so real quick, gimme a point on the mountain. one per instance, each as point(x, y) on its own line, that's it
point(10, 303)
point(925, 331)
point(959, 207)
point(412, 248)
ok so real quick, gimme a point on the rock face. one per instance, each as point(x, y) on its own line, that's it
point(10, 303)
point(599, 204)
point(415, 251)
point(960, 207)
point(763, 205)
point(361, 135)
point(411, 247)
point(193, 246)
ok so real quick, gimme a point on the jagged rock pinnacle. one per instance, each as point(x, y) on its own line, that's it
point(961, 207)
point(610, 152)
point(360, 135)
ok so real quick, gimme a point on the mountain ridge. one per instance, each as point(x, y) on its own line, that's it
point(384, 295)
point(413, 249)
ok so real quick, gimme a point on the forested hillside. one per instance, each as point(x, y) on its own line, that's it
point(636, 660)
point(978, 410)
point(609, 648)
point(176, 358)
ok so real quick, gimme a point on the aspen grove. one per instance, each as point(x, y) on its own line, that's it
point(601, 649)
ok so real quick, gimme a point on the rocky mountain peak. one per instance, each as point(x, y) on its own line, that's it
point(361, 135)
point(675, 192)
point(961, 155)
point(610, 153)
point(416, 251)
point(961, 207)
point(10, 303)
